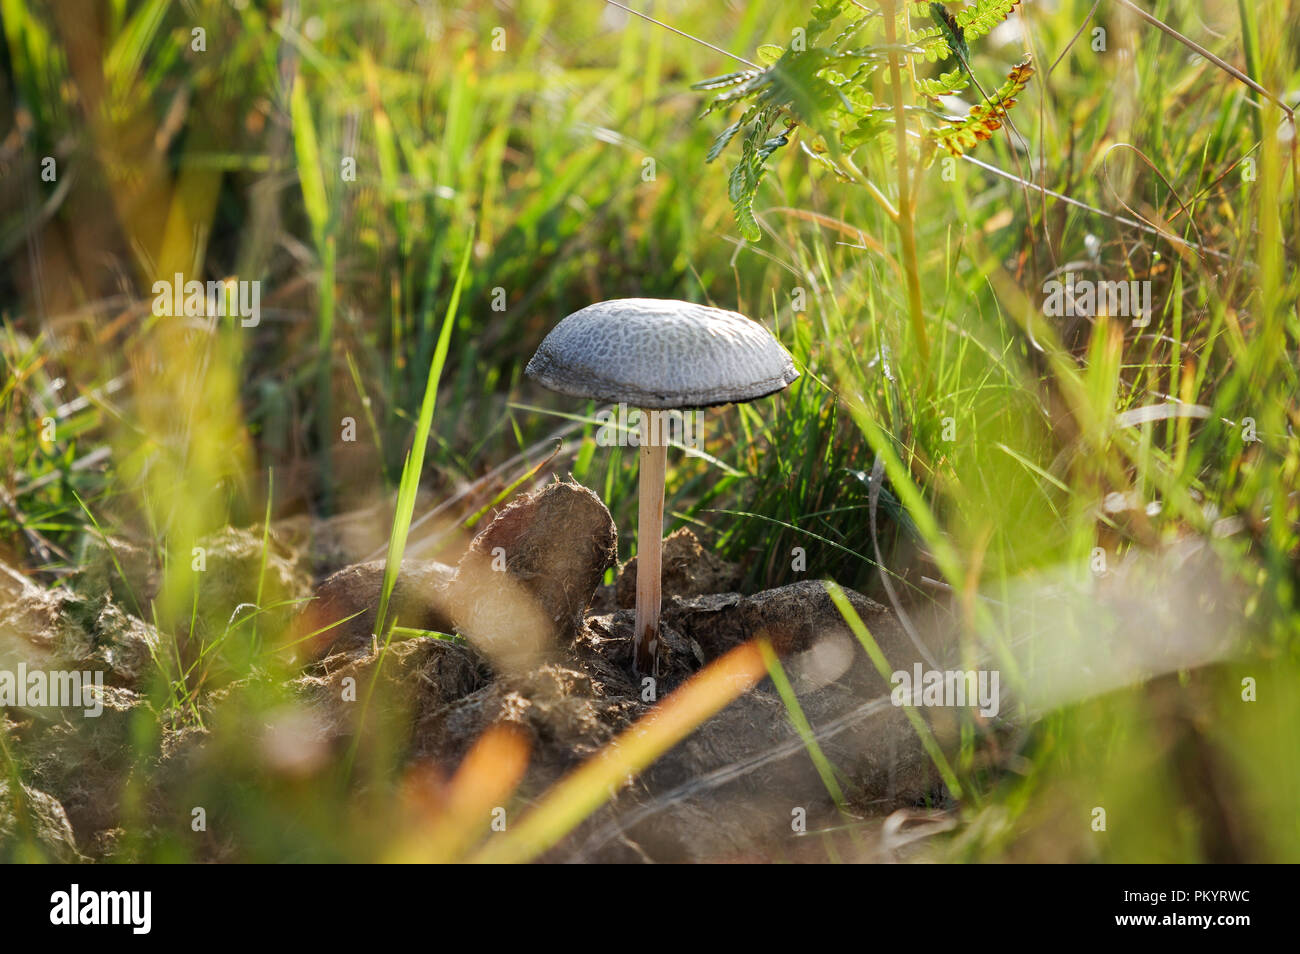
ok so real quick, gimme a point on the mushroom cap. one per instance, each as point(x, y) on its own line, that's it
point(660, 353)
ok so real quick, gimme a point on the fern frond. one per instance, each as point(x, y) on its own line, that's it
point(824, 13)
point(981, 17)
point(953, 34)
point(727, 79)
point(946, 84)
point(742, 185)
point(983, 120)
point(931, 43)
point(724, 139)
point(842, 38)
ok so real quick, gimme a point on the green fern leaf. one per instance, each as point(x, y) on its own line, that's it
point(724, 139)
point(980, 18)
point(983, 120)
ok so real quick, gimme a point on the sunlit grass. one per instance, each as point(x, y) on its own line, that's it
point(498, 189)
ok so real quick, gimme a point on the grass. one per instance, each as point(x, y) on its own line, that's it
point(498, 189)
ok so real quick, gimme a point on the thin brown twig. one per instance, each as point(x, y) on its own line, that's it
point(694, 39)
point(1168, 236)
point(1217, 61)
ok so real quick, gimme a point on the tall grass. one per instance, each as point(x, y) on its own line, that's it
point(999, 432)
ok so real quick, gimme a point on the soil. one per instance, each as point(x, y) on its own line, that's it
point(519, 633)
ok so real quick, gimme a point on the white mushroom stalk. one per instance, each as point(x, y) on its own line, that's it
point(649, 554)
point(659, 354)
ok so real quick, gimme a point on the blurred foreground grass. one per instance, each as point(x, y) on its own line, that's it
point(350, 156)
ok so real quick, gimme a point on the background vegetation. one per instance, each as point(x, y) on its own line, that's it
point(558, 150)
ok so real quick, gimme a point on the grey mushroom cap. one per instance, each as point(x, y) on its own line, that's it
point(659, 353)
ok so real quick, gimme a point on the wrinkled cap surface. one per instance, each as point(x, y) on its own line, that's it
point(660, 353)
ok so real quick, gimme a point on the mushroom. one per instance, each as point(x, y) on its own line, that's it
point(658, 355)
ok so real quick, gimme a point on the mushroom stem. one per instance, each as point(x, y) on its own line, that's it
point(650, 527)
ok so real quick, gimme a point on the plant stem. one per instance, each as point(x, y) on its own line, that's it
point(649, 552)
point(906, 203)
